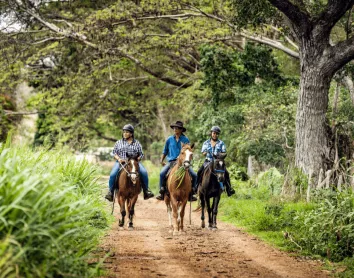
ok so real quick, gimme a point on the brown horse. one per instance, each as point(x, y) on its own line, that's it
point(129, 189)
point(179, 187)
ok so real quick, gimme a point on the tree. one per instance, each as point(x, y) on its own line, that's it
point(319, 61)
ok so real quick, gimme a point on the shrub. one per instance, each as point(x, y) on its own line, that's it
point(328, 229)
point(51, 213)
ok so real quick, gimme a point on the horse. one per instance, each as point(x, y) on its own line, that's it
point(212, 187)
point(179, 184)
point(129, 189)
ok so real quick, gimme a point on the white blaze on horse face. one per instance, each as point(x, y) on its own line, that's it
point(187, 159)
point(221, 163)
point(133, 175)
point(188, 155)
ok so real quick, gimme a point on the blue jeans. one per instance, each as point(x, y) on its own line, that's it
point(142, 171)
point(165, 169)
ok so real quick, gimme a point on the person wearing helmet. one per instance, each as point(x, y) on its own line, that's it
point(171, 150)
point(128, 145)
point(214, 146)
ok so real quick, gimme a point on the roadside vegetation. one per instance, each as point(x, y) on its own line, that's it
point(321, 228)
point(51, 214)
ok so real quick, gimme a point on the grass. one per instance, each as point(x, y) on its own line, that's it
point(274, 219)
point(51, 214)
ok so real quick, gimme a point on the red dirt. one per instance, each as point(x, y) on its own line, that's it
point(151, 250)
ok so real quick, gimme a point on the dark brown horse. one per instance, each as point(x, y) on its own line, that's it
point(212, 187)
point(129, 189)
point(179, 185)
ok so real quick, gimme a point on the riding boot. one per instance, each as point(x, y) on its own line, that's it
point(148, 194)
point(109, 196)
point(229, 190)
point(191, 197)
point(161, 195)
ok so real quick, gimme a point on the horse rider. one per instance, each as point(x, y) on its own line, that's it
point(128, 145)
point(214, 146)
point(172, 150)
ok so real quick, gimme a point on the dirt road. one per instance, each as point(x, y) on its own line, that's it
point(151, 250)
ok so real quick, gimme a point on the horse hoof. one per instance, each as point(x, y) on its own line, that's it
point(131, 228)
point(203, 225)
point(175, 233)
point(215, 228)
point(210, 228)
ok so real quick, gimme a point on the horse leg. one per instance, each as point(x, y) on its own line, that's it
point(175, 223)
point(215, 210)
point(169, 211)
point(183, 209)
point(202, 203)
point(131, 211)
point(121, 201)
point(209, 212)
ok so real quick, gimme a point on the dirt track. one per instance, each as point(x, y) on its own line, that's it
point(151, 250)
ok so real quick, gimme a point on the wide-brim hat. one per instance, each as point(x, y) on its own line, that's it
point(178, 124)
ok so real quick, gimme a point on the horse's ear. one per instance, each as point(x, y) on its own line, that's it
point(222, 155)
point(192, 146)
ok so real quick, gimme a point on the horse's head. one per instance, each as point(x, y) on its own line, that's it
point(219, 166)
point(186, 155)
point(132, 168)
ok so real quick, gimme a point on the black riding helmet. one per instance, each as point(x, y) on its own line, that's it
point(129, 128)
point(215, 129)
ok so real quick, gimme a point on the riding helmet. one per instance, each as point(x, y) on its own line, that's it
point(215, 129)
point(129, 128)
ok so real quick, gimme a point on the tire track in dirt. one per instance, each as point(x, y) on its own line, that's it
point(151, 250)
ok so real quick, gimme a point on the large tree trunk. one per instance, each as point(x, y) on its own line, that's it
point(312, 139)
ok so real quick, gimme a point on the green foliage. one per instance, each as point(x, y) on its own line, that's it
point(272, 180)
point(254, 13)
point(328, 229)
point(51, 214)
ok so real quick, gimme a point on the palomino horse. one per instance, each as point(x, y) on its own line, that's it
point(212, 187)
point(179, 185)
point(129, 189)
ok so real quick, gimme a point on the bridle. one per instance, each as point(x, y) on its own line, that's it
point(130, 174)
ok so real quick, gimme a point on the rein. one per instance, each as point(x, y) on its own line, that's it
point(128, 173)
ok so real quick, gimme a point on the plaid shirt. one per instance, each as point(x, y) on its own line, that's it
point(122, 148)
point(218, 148)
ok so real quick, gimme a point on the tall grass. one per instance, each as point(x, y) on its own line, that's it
point(51, 214)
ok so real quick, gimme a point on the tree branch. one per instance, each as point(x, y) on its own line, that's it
point(334, 12)
point(343, 52)
point(9, 112)
point(299, 19)
point(100, 134)
point(82, 38)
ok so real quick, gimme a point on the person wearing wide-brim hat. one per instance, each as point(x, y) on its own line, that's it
point(171, 150)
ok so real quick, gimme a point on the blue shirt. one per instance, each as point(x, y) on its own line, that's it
point(173, 148)
point(218, 148)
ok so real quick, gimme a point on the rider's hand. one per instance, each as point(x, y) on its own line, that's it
point(121, 161)
point(163, 163)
